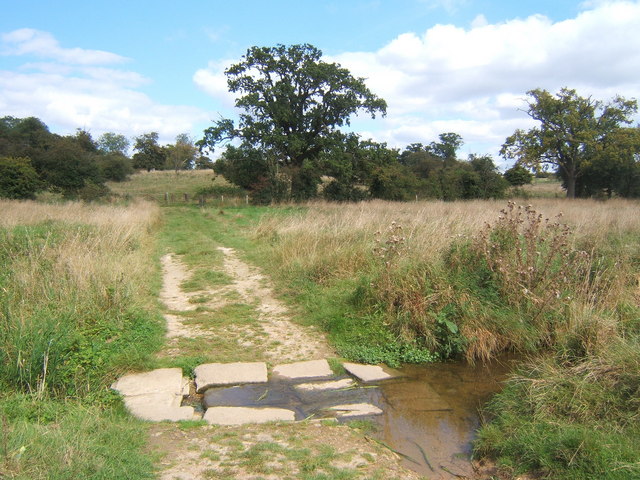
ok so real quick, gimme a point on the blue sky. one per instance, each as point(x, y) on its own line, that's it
point(442, 65)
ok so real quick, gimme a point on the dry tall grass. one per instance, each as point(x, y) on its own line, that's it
point(67, 269)
point(346, 232)
point(328, 241)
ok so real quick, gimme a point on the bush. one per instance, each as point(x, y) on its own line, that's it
point(18, 179)
point(518, 176)
point(219, 190)
point(338, 191)
point(114, 167)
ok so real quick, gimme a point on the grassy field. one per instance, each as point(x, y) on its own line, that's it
point(182, 187)
point(556, 281)
point(78, 285)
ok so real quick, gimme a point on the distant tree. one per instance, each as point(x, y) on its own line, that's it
point(447, 147)
point(182, 154)
point(350, 164)
point(293, 104)
point(613, 167)
point(518, 175)
point(571, 128)
point(18, 179)
point(85, 141)
point(110, 143)
point(66, 166)
point(203, 162)
point(114, 167)
point(149, 154)
point(490, 183)
point(394, 182)
point(244, 166)
point(25, 137)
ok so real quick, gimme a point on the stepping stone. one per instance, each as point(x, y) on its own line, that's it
point(355, 410)
point(216, 374)
point(162, 380)
point(368, 373)
point(158, 407)
point(323, 386)
point(245, 415)
point(308, 369)
point(155, 395)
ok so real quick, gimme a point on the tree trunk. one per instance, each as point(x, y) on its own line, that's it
point(571, 185)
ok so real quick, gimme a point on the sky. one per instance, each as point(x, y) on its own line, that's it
point(463, 66)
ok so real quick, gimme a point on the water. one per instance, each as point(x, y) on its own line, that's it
point(430, 413)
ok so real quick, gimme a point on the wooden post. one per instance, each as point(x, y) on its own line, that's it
point(166, 198)
point(186, 197)
point(202, 202)
point(246, 199)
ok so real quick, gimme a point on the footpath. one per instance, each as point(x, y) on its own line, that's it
point(279, 418)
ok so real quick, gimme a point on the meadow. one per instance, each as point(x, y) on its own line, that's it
point(554, 281)
point(77, 292)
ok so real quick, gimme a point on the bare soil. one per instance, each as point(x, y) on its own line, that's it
point(287, 341)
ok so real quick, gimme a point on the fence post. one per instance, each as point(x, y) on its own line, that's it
point(166, 198)
point(246, 199)
point(186, 197)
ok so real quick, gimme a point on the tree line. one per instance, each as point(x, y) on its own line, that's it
point(288, 144)
point(33, 159)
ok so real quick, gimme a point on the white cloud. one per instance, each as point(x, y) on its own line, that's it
point(79, 88)
point(473, 81)
point(27, 41)
point(213, 81)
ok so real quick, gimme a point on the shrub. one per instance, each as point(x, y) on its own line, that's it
point(18, 179)
point(518, 176)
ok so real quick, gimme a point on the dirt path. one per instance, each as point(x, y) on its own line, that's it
point(308, 449)
point(287, 341)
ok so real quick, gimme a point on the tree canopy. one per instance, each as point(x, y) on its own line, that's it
point(572, 129)
point(149, 154)
point(292, 104)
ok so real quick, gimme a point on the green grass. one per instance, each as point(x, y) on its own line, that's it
point(56, 439)
point(74, 313)
point(569, 420)
point(156, 184)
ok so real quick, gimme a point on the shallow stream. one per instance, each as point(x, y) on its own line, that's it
point(430, 412)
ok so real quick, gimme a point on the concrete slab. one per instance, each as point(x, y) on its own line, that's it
point(167, 380)
point(245, 415)
point(368, 373)
point(324, 386)
point(216, 374)
point(308, 369)
point(155, 412)
point(355, 410)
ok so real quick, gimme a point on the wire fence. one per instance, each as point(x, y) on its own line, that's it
point(190, 199)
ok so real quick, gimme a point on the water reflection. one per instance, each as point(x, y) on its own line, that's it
point(431, 414)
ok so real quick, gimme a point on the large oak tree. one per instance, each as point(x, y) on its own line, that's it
point(293, 105)
point(571, 128)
